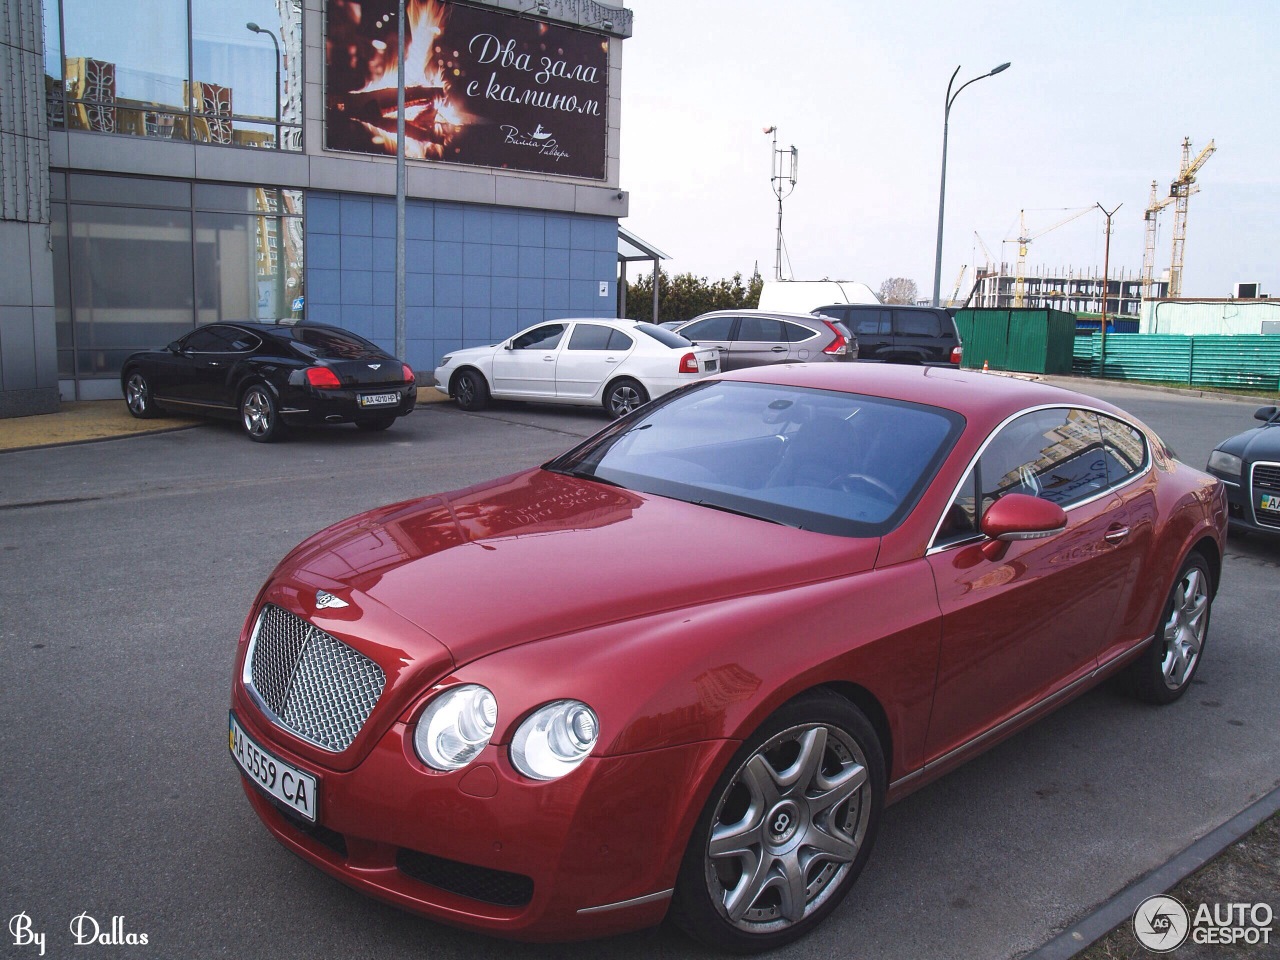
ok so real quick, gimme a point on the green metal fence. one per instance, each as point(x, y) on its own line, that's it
point(1239, 362)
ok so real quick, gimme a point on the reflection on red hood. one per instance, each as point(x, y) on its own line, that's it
point(539, 554)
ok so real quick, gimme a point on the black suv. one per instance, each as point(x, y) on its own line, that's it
point(898, 334)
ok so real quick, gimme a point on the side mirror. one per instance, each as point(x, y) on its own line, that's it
point(174, 347)
point(1265, 414)
point(1019, 516)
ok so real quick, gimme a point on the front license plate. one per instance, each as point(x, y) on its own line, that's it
point(379, 399)
point(1269, 502)
point(296, 790)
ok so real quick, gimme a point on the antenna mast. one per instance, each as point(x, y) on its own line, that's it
point(786, 162)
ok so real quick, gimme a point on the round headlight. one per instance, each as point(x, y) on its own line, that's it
point(553, 741)
point(455, 727)
point(1226, 464)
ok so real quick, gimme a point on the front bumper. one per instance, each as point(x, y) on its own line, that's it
point(1243, 500)
point(593, 854)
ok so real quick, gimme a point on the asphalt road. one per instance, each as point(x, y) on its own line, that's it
point(127, 567)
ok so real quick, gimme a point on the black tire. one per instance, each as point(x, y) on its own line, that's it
point(137, 395)
point(470, 391)
point(376, 424)
point(1164, 671)
point(814, 771)
point(623, 396)
point(260, 414)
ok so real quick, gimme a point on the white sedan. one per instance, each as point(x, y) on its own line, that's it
point(618, 363)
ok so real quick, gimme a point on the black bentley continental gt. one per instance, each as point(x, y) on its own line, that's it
point(1249, 463)
point(271, 376)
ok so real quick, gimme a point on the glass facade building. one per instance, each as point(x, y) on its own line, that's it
point(196, 168)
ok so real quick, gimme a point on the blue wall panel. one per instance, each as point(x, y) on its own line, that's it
point(474, 274)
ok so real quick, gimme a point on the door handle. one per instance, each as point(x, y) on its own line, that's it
point(610, 359)
point(548, 359)
point(1116, 534)
point(777, 349)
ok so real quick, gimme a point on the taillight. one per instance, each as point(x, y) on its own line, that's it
point(689, 363)
point(408, 373)
point(322, 378)
point(957, 354)
point(839, 346)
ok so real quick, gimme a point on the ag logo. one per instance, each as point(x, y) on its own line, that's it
point(1161, 924)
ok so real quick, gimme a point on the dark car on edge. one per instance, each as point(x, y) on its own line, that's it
point(271, 376)
point(1249, 466)
point(899, 334)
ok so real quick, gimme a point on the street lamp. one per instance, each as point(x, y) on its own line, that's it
point(942, 190)
point(272, 37)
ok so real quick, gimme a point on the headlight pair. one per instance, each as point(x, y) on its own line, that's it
point(459, 723)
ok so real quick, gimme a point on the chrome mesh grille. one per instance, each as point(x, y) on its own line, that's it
point(312, 683)
point(1266, 480)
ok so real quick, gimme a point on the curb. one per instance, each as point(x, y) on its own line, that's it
point(1093, 927)
point(1076, 383)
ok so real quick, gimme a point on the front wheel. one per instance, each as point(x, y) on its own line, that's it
point(787, 829)
point(138, 397)
point(260, 415)
point(470, 391)
point(624, 396)
point(1164, 671)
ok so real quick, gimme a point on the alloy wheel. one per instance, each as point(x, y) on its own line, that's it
point(1185, 629)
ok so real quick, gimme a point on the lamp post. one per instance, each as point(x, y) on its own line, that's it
point(942, 190)
point(276, 43)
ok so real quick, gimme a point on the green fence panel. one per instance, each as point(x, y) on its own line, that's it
point(1236, 361)
point(1141, 356)
point(1084, 357)
point(985, 335)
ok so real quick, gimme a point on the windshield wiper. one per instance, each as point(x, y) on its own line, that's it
point(584, 475)
point(739, 513)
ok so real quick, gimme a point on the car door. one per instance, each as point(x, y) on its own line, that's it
point(873, 327)
point(198, 360)
point(1025, 625)
point(591, 355)
point(758, 341)
point(715, 332)
point(525, 366)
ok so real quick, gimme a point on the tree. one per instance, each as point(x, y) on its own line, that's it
point(898, 290)
point(685, 295)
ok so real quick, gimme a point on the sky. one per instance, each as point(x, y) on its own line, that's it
point(1094, 107)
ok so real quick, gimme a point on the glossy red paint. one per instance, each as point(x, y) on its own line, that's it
point(685, 628)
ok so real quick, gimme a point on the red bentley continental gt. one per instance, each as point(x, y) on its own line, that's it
point(679, 670)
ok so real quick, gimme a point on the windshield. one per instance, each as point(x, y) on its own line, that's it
point(819, 460)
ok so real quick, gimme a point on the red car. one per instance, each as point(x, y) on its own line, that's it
point(681, 669)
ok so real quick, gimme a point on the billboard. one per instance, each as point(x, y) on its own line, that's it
point(482, 87)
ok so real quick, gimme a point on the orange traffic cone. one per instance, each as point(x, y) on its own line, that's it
point(985, 366)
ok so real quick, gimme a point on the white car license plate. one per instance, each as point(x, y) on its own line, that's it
point(379, 399)
point(1269, 502)
point(711, 366)
point(296, 790)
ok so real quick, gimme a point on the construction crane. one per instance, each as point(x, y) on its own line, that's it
point(955, 291)
point(1180, 190)
point(1149, 251)
point(983, 245)
point(1024, 238)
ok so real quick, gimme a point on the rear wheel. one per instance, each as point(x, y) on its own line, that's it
point(137, 396)
point(787, 829)
point(470, 391)
point(260, 414)
point(376, 424)
point(623, 396)
point(1164, 671)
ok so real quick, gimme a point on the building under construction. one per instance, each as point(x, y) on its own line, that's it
point(1069, 290)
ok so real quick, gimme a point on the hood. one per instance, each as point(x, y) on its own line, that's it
point(1260, 443)
point(540, 554)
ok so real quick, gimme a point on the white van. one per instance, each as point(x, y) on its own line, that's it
point(803, 296)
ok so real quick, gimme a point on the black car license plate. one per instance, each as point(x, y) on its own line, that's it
point(379, 399)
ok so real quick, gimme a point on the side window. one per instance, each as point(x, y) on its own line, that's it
point(761, 330)
point(794, 333)
point(1125, 448)
point(206, 340)
point(590, 336)
point(620, 341)
point(713, 328)
point(916, 323)
point(871, 323)
point(1054, 454)
point(540, 338)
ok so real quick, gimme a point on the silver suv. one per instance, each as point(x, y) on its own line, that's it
point(750, 338)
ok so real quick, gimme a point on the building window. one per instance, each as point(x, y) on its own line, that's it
point(140, 262)
point(177, 70)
